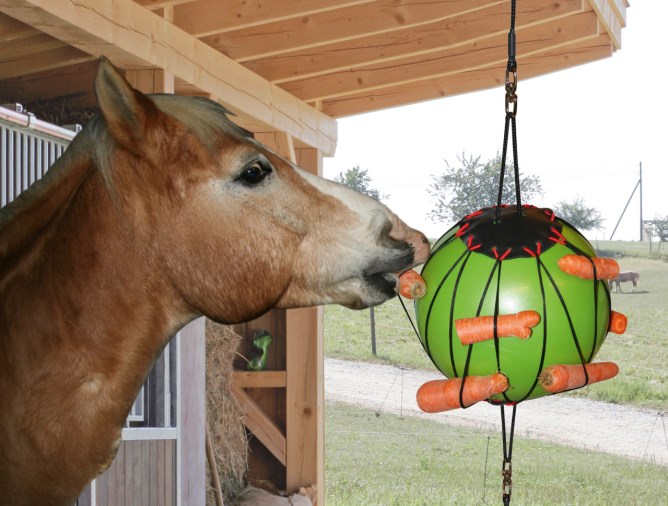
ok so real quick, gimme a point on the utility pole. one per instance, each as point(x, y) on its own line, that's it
point(640, 183)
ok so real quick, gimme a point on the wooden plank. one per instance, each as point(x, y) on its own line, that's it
point(279, 142)
point(483, 53)
point(137, 472)
point(480, 79)
point(13, 29)
point(262, 427)
point(305, 399)
point(258, 379)
point(151, 80)
point(134, 38)
point(205, 17)
point(609, 19)
point(20, 48)
point(152, 473)
point(43, 60)
point(170, 478)
point(345, 24)
point(128, 475)
point(385, 48)
point(145, 464)
point(192, 414)
point(160, 486)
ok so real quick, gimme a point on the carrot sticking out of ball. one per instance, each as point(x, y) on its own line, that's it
point(412, 285)
point(618, 322)
point(581, 266)
point(443, 395)
point(559, 378)
point(481, 328)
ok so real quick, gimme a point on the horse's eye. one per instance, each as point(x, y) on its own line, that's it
point(254, 173)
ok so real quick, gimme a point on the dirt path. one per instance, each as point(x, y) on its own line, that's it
point(621, 430)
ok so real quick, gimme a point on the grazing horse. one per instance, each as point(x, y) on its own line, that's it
point(161, 210)
point(633, 277)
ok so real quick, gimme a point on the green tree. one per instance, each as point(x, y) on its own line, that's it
point(578, 214)
point(472, 185)
point(661, 227)
point(358, 179)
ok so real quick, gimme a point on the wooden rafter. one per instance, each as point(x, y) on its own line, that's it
point(133, 37)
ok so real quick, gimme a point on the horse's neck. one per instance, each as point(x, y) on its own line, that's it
point(83, 303)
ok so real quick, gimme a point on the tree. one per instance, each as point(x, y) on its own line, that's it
point(660, 227)
point(578, 214)
point(359, 180)
point(473, 185)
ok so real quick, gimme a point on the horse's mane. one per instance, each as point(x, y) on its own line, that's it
point(31, 211)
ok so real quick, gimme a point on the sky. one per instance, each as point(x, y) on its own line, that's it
point(583, 131)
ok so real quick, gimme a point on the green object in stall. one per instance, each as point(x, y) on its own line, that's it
point(261, 340)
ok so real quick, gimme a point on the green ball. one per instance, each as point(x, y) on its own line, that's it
point(503, 262)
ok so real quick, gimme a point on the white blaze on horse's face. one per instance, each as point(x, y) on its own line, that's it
point(371, 248)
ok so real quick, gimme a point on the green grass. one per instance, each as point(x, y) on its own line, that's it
point(386, 460)
point(641, 353)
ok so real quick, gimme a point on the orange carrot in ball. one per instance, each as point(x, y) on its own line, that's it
point(412, 285)
point(581, 266)
point(481, 328)
point(618, 322)
point(443, 395)
point(558, 378)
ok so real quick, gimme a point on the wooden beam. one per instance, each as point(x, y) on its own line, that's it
point(191, 413)
point(74, 81)
point(13, 29)
point(28, 46)
point(487, 52)
point(386, 47)
point(151, 80)
point(304, 399)
point(259, 379)
point(206, 17)
point(612, 16)
point(134, 38)
point(476, 80)
point(41, 61)
point(262, 427)
point(340, 25)
point(279, 142)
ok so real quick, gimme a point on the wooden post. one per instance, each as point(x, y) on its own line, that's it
point(191, 415)
point(372, 317)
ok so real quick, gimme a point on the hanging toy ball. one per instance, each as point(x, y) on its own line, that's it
point(516, 307)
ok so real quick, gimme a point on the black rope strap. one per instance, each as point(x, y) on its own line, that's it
point(507, 469)
point(510, 124)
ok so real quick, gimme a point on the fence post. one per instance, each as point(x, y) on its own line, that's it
point(372, 316)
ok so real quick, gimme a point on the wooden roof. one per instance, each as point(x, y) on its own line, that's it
point(295, 65)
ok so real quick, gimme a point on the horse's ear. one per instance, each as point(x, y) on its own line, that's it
point(126, 111)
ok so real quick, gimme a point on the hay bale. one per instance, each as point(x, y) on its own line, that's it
point(224, 415)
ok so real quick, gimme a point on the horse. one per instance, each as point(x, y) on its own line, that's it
point(161, 210)
point(633, 277)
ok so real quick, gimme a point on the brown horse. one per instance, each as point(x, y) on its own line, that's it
point(160, 211)
point(633, 277)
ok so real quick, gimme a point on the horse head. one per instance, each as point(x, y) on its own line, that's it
point(236, 228)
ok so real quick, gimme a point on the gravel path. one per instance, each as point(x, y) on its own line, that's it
point(611, 428)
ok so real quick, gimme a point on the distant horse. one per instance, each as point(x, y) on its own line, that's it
point(633, 277)
point(160, 211)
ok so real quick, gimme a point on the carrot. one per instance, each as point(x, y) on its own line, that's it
point(580, 266)
point(412, 285)
point(443, 395)
point(558, 378)
point(618, 322)
point(481, 328)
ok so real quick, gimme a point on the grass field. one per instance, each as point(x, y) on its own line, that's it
point(641, 353)
point(387, 460)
